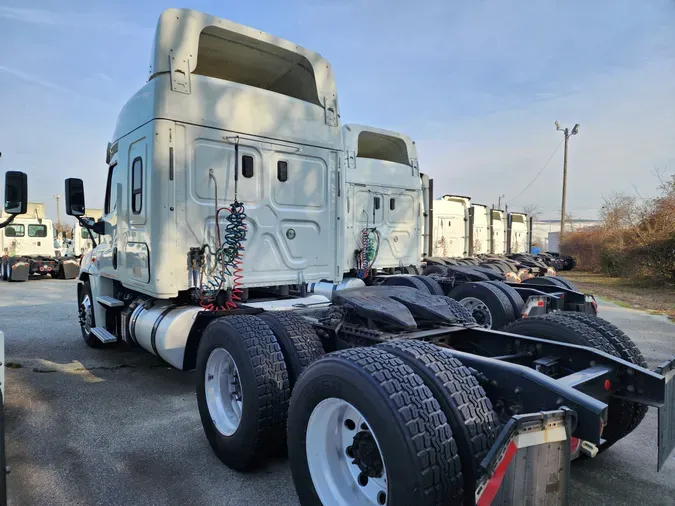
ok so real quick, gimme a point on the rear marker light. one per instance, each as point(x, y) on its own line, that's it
point(540, 303)
point(608, 385)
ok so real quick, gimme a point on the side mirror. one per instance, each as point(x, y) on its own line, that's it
point(74, 197)
point(16, 192)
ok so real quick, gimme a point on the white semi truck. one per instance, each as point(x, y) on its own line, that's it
point(226, 204)
point(451, 226)
point(519, 233)
point(28, 248)
point(383, 196)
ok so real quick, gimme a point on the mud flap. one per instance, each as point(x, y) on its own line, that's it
point(667, 413)
point(529, 464)
point(18, 270)
point(70, 268)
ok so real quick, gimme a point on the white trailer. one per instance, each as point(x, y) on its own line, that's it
point(226, 201)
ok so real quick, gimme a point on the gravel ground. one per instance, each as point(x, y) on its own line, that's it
point(98, 427)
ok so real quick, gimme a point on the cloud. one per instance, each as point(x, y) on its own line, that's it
point(104, 76)
point(34, 79)
point(93, 20)
point(47, 84)
point(28, 15)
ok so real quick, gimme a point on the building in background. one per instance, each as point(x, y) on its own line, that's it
point(546, 233)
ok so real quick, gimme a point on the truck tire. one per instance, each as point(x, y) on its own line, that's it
point(462, 314)
point(498, 266)
point(406, 280)
point(435, 269)
point(432, 285)
point(242, 390)
point(298, 341)
point(468, 410)
point(567, 283)
point(514, 297)
point(488, 305)
point(385, 424)
point(625, 348)
point(85, 313)
point(545, 280)
point(623, 416)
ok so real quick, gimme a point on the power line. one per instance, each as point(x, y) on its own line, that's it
point(538, 173)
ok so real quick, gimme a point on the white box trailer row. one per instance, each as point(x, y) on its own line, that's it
point(461, 229)
point(232, 188)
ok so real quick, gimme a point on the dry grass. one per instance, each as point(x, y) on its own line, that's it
point(627, 293)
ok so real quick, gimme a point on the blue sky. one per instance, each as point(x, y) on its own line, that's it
point(477, 84)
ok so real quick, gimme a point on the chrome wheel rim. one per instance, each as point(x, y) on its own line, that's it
point(479, 311)
point(344, 457)
point(85, 313)
point(224, 396)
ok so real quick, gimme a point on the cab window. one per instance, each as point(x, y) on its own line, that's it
point(111, 190)
point(37, 230)
point(137, 185)
point(15, 230)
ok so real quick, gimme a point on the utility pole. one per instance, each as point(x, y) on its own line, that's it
point(499, 201)
point(566, 132)
point(58, 212)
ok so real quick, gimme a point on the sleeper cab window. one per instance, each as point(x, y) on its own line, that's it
point(137, 185)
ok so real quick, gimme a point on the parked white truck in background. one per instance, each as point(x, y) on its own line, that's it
point(519, 233)
point(497, 232)
point(383, 195)
point(451, 226)
point(234, 141)
point(479, 230)
point(27, 246)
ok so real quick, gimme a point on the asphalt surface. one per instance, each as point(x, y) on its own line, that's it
point(99, 427)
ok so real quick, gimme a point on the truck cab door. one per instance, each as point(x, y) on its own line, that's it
point(107, 257)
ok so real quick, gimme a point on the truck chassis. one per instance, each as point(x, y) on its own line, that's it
point(21, 268)
point(420, 352)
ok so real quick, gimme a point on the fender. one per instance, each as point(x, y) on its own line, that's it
point(87, 266)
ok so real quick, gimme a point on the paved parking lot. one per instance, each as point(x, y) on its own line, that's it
point(99, 427)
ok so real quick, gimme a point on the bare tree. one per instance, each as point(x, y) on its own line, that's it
point(532, 210)
point(618, 210)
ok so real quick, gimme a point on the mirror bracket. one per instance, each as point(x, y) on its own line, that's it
point(8, 220)
point(91, 227)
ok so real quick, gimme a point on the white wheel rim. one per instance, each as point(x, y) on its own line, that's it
point(86, 314)
point(331, 431)
point(224, 396)
point(478, 310)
